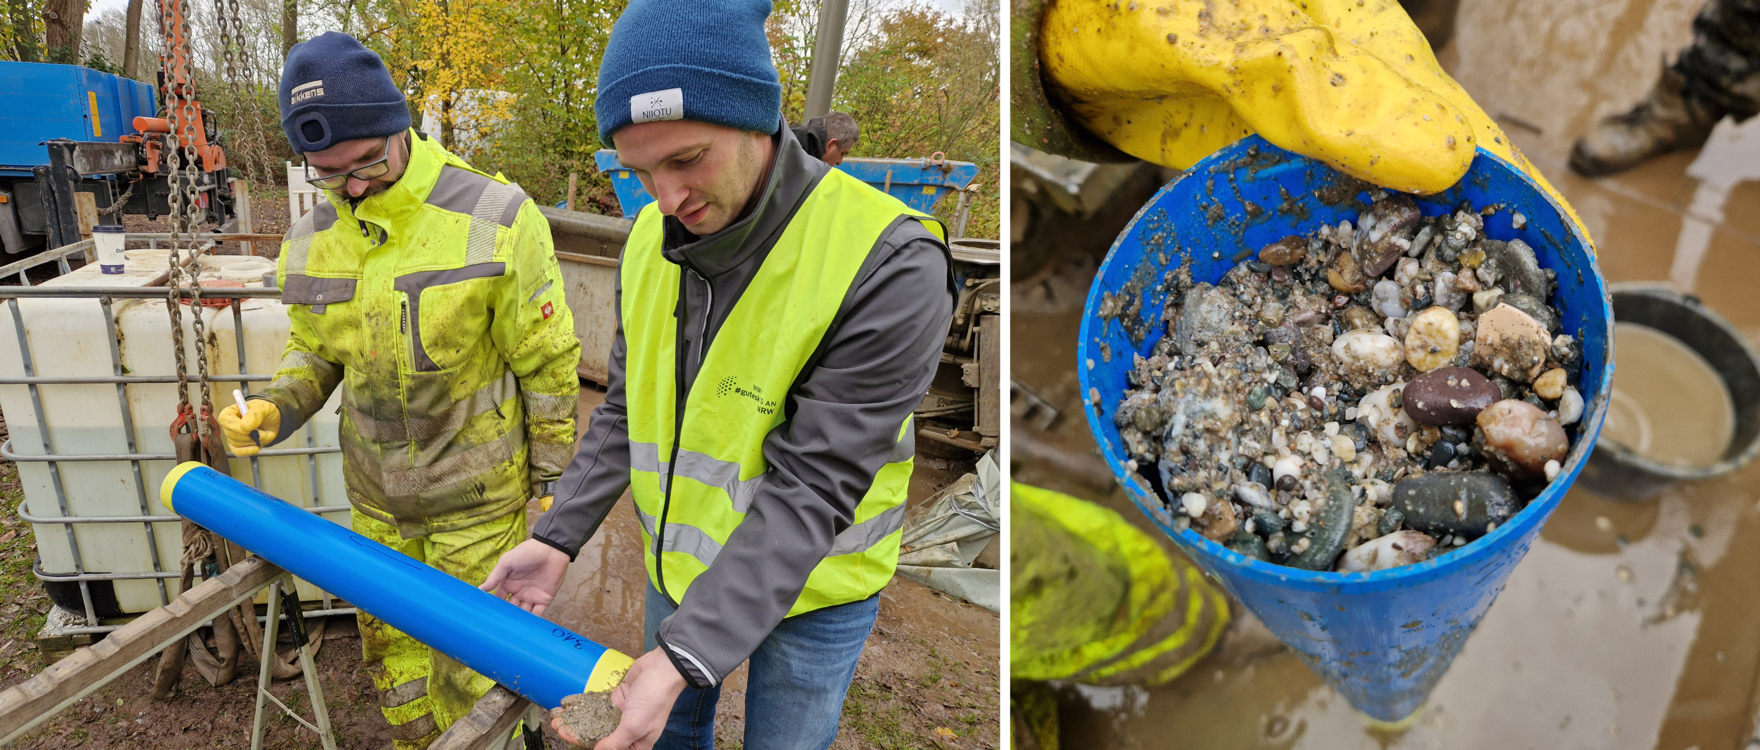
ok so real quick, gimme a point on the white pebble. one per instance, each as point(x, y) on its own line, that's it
point(1253, 494)
point(1299, 526)
point(1365, 351)
point(1387, 299)
point(1346, 450)
point(1402, 547)
point(1570, 406)
point(1486, 300)
point(1552, 468)
point(1330, 428)
point(1518, 221)
point(1377, 413)
point(1288, 466)
point(1319, 392)
point(1194, 504)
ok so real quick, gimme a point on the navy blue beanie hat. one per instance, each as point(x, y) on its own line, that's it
point(702, 61)
point(334, 90)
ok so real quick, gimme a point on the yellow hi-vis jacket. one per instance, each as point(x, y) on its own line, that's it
point(693, 474)
point(438, 306)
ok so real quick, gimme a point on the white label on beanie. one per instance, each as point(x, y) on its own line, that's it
point(306, 91)
point(657, 105)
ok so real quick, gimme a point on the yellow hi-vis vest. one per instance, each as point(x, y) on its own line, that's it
point(738, 397)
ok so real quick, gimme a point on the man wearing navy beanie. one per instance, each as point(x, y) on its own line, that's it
point(428, 292)
point(778, 323)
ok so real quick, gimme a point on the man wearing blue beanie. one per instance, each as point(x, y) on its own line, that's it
point(427, 291)
point(778, 323)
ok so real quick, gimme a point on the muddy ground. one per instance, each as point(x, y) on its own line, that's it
point(928, 679)
point(1628, 624)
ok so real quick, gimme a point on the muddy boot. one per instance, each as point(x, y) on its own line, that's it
point(1664, 122)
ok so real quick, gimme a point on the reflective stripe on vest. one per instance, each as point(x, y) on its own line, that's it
point(760, 350)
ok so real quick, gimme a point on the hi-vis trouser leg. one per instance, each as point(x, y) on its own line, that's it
point(421, 692)
point(1096, 600)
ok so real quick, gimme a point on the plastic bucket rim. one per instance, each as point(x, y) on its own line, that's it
point(1673, 474)
point(1534, 513)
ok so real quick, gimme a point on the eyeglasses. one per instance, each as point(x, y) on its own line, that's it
point(371, 171)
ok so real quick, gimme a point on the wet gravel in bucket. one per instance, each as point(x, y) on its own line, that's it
point(1359, 398)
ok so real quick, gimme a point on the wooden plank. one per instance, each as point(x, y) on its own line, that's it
point(488, 724)
point(25, 705)
point(86, 205)
point(241, 205)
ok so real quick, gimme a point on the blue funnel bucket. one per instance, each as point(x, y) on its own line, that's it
point(1383, 639)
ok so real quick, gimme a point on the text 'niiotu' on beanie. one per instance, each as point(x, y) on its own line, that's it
point(701, 61)
point(333, 89)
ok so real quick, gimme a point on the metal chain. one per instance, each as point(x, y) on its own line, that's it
point(187, 213)
point(173, 158)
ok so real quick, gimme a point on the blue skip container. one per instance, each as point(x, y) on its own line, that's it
point(920, 183)
point(1382, 639)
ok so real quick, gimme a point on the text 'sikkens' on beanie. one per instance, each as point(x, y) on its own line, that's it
point(334, 90)
point(702, 61)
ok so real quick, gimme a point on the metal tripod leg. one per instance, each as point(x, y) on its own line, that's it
point(307, 666)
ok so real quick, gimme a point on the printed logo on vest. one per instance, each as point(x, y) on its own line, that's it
point(304, 91)
point(730, 385)
point(549, 309)
point(667, 104)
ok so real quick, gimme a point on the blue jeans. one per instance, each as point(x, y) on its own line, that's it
point(795, 689)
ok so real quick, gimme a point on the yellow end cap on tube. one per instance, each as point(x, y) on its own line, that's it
point(609, 672)
point(170, 482)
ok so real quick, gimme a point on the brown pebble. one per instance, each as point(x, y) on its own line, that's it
point(1518, 439)
point(1449, 395)
point(1511, 343)
point(1550, 385)
point(1287, 251)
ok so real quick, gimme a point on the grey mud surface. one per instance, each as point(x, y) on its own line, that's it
point(1628, 625)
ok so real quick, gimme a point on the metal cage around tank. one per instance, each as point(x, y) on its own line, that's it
point(52, 456)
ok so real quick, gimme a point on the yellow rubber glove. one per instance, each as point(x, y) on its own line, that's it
point(263, 419)
point(1351, 83)
point(545, 502)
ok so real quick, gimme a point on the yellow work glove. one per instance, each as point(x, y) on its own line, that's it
point(263, 419)
point(1351, 83)
point(545, 502)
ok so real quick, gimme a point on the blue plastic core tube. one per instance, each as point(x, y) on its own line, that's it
point(527, 654)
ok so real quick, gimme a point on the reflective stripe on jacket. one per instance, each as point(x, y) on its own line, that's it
point(438, 306)
point(692, 492)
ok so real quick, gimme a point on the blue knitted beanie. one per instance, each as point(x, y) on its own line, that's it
point(702, 61)
point(334, 90)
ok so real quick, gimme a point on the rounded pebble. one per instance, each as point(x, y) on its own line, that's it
point(1518, 439)
point(1570, 406)
point(1381, 413)
point(1449, 396)
point(1388, 551)
point(1287, 473)
point(1194, 504)
point(1433, 340)
point(1253, 494)
point(1550, 385)
point(1387, 299)
point(1363, 353)
point(1485, 300)
point(1284, 252)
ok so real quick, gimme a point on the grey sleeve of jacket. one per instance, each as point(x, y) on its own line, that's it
point(842, 427)
point(599, 472)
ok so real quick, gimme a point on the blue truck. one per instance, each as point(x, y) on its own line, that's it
point(66, 129)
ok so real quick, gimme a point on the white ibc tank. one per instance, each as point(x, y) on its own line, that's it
point(69, 338)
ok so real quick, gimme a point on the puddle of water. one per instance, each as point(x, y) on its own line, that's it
point(1668, 404)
